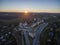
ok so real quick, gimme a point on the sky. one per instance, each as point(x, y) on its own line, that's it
point(30, 5)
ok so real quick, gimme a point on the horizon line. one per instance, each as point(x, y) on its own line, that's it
point(28, 12)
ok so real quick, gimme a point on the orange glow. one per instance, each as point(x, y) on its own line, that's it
point(25, 11)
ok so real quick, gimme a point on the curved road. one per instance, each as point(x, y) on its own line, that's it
point(26, 38)
point(38, 32)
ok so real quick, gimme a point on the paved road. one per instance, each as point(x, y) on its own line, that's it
point(37, 34)
point(26, 38)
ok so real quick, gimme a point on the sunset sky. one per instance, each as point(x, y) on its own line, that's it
point(30, 5)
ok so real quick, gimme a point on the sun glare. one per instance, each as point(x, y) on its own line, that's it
point(25, 11)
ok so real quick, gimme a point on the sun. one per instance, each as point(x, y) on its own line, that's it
point(25, 11)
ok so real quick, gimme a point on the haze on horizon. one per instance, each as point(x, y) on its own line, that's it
point(30, 5)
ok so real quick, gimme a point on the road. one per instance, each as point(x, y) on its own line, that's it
point(38, 32)
point(26, 38)
point(40, 28)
